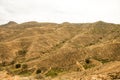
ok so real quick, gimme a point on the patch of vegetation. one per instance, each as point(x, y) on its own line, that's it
point(17, 66)
point(91, 44)
point(1, 68)
point(21, 71)
point(38, 71)
point(115, 75)
point(22, 52)
point(12, 62)
point(102, 60)
point(20, 65)
point(105, 60)
point(87, 61)
point(25, 73)
point(87, 66)
point(24, 66)
point(54, 72)
point(15, 71)
point(39, 77)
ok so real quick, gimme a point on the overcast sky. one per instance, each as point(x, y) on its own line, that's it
point(59, 10)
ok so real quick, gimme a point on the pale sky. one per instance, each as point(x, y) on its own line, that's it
point(75, 11)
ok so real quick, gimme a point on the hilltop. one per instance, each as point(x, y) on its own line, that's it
point(51, 51)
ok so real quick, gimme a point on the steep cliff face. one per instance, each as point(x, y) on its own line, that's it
point(53, 49)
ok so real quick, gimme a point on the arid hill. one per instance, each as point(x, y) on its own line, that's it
point(67, 51)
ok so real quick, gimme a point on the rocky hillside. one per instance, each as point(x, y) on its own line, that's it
point(67, 51)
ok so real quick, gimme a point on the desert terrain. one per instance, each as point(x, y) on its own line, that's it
point(66, 51)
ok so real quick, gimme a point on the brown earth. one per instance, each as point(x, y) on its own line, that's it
point(67, 51)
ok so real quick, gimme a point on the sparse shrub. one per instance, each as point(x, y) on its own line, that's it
point(39, 76)
point(63, 41)
point(15, 71)
point(91, 44)
point(54, 72)
point(3, 63)
point(78, 69)
point(1, 69)
point(22, 52)
point(115, 75)
point(24, 66)
point(102, 60)
point(25, 73)
point(87, 61)
point(18, 66)
point(105, 60)
point(12, 62)
point(87, 66)
point(38, 71)
point(100, 38)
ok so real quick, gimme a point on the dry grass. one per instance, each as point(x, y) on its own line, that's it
point(59, 45)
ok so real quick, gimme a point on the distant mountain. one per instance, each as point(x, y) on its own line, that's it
point(10, 23)
point(52, 51)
